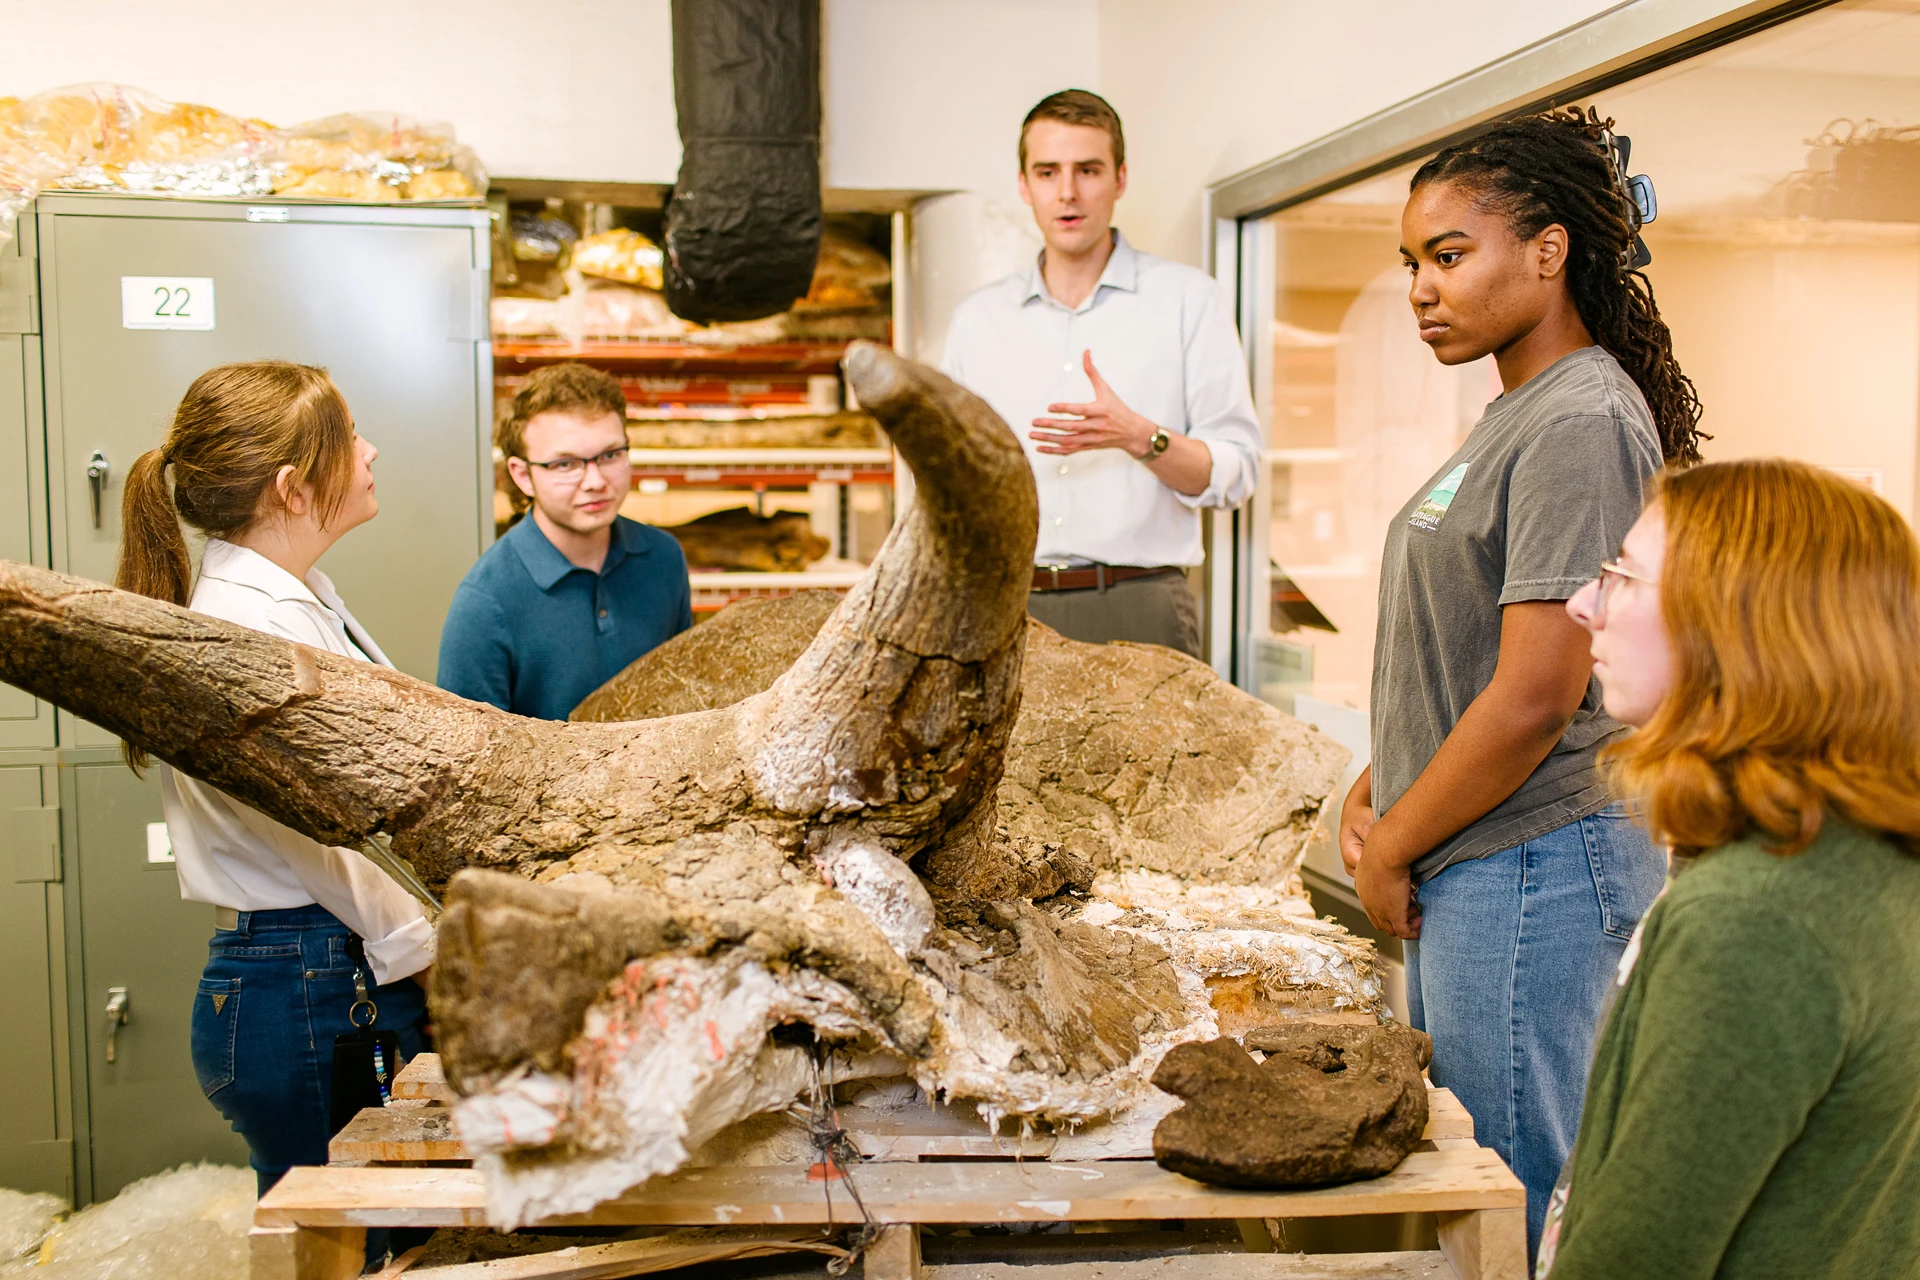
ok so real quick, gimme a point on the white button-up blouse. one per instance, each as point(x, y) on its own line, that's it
point(230, 855)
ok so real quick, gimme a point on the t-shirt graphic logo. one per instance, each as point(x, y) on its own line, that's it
point(1427, 514)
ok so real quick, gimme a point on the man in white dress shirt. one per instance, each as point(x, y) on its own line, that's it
point(1124, 374)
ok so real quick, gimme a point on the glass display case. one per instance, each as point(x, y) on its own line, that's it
point(1784, 147)
point(1786, 259)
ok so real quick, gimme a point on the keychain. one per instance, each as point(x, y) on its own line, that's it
point(364, 1060)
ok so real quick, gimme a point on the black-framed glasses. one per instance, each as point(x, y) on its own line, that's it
point(574, 469)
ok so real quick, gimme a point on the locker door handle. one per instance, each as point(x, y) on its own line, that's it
point(97, 472)
point(116, 1017)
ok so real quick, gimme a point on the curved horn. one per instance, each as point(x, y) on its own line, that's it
point(901, 707)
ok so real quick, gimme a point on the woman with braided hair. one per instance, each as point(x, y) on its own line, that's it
point(1481, 826)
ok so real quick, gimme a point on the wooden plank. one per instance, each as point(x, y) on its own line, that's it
point(1488, 1244)
point(285, 1251)
point(1426, 1182)
point(397, 1134)
point(1216, 1266)
point(1446, 1118)
point(402, 1264)
point(894, 1254)
point(627, 1258)
point(423, 1078)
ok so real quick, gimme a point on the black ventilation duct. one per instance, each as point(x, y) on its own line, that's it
point(743, 219)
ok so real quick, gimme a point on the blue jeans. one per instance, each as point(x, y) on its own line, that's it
point(1516, 953)
point(274, 995)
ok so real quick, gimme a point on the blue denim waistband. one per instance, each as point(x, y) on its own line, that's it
point(313, 916)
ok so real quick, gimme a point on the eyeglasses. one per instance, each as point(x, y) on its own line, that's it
point(573, 470)
point(1612, 573)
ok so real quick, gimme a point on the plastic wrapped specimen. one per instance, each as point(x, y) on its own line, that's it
point(914, 831)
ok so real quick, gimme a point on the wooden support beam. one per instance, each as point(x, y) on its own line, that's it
point(1254, 1235)
point(423, 1077)
point(1486, 1244)
point(1426, 1182)
point(622, 1258)
point(894, 1254)
point(286, 1252)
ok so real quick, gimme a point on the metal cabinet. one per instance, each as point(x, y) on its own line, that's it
point(138, 941)
point(36, 1138)
point(392, 300)
point(24, 721)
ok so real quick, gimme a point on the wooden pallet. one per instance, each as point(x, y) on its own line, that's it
point(923, 1170)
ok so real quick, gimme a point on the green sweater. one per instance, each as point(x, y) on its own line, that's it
point(1754, 1107)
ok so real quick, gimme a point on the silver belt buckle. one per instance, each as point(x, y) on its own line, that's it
point(226, 918)
point(1055, 569)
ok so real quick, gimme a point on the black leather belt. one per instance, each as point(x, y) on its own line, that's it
point(1060, 577)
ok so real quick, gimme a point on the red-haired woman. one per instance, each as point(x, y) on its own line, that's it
point(1754, 1108)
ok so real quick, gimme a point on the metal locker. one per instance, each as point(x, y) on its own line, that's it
point(36, 1140)
point(393, 301)
point(24, 721)
point(138, 941)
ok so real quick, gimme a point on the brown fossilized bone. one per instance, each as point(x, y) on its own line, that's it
point(1329, 1104)
point(633, 908)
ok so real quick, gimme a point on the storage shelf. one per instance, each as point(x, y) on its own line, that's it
point(787, 357)
point(750, 468)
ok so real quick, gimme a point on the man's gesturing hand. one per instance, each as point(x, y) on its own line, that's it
point(1104, 423)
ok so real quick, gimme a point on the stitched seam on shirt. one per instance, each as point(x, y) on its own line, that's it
point(1548, 582)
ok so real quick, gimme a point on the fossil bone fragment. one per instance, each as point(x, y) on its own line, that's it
point(635, 909)
point(1329, 1104)
point(736, 538)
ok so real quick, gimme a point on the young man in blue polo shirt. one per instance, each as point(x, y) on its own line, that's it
point(574, 592)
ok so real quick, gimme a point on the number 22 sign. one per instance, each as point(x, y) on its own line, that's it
point(166, 302)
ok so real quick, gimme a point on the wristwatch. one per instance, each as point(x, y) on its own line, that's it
point(1157, 444)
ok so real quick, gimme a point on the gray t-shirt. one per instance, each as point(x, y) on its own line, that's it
point(1543, 490)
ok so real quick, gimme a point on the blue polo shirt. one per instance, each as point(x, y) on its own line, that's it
point(534, 634)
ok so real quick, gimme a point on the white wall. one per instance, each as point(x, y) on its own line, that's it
point(918, 93)
point(921, 94)
point(929, 94)
point(580, 88)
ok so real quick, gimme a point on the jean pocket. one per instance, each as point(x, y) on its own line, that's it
point(213, 1032)
point(1627, 870)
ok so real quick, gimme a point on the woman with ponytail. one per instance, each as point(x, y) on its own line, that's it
point(263, 459)
point(1482, 826)
point(1754, 1108)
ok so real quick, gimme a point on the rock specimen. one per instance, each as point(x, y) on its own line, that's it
point(738, 539)
point(1329, 1104)
point(634, 909)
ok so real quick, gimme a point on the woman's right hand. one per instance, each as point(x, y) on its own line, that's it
point(1356, 820)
